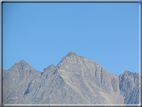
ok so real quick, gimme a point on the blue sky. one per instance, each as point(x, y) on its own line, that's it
point(43, 33)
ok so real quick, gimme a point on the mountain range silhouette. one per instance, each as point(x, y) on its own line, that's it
point(74, 80)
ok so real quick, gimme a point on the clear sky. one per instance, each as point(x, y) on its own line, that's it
point(43, 33)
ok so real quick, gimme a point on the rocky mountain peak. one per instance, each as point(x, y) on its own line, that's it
point(23, 62)
point(70, 57)
point(71, 54)
point(75, 80)
point(49, 67)
point(21, 65)
point(127, 72)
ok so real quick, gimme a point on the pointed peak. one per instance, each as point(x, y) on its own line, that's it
point(22, 62)
point(71, 54)
point(127, 72)
point(49, 67)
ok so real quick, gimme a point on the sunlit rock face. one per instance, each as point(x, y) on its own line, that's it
point(75, 80)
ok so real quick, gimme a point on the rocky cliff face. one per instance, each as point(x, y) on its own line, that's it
point(17, 80)
point(75, 80)
point(129, 86)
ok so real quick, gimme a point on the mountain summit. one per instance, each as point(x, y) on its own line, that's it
point(71, 53)
point(75, 80)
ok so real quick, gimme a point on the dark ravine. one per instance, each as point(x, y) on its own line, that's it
point(75, 80)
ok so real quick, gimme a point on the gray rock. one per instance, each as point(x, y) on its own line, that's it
point(75, 80)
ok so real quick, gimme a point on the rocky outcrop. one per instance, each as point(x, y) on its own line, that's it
point(75, 80)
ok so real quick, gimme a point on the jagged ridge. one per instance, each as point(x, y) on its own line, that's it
point(75, 80)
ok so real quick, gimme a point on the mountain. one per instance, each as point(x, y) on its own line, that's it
point(75, 80)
